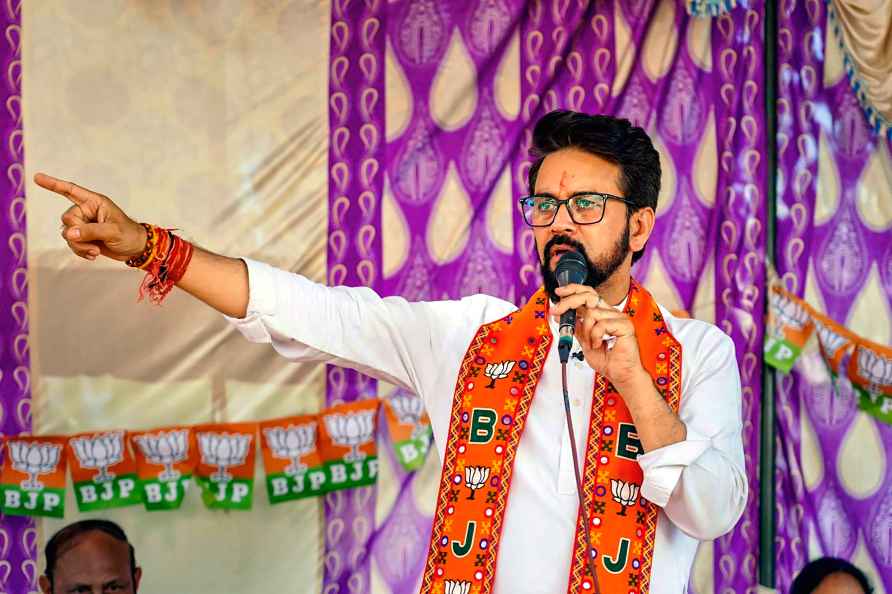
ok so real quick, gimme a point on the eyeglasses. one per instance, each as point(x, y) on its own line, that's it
point(584, 209)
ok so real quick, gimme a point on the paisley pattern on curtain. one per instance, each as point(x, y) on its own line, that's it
point(18, 536)
point(834, 249)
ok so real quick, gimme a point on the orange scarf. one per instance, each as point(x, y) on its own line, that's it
point(495, 388)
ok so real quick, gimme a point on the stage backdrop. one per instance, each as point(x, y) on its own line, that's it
point(834, 249)
point(227, 119)
point(210, 117)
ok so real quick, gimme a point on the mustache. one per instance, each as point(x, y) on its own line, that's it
point(561, 240)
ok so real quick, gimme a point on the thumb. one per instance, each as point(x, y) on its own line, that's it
point(104, 232)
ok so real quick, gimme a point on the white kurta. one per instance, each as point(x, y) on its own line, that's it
point(699, 483)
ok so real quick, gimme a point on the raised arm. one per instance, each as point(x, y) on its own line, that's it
point(94, 226)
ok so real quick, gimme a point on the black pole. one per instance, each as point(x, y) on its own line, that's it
point(767, 496)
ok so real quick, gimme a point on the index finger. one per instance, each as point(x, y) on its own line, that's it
point(70, 190)
point(574, 288)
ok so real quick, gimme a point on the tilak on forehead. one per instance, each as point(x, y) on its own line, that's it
point(566, 176)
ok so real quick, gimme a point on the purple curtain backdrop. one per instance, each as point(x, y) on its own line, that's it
point(420, 160)
point(739, 256)
point(356, 159)
point(838, 252)
point(570, 57)
point(18, 536)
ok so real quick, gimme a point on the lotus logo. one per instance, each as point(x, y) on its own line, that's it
point(409, 409)
point(351, 430)
point(457, 587)
point(223, 450)
point(831, 341)
point(497, 371)
point(99, 452)
point(624, 493)
point(787, 313)
point(874, 368)
point(34, 459)
point(165, 449)
point(475, 478)
point(290, 443)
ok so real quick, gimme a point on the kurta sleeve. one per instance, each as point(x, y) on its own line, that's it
point(700, 482)
point(390, 338)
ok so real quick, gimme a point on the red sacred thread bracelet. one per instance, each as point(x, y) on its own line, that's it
point(165, 260)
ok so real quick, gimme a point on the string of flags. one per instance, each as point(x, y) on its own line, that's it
point(303, 456)
point(867, 365)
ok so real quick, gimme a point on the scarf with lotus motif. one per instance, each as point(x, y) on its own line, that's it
point(493, 393)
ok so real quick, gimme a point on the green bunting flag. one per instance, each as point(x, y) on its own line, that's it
point(103, 471)
point(165, 461)
point(347, 443)
point(33, 476)
point(294, 469)
point(226, 466)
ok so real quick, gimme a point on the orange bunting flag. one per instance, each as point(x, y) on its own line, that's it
point(347, 443)
point(870, 370)
point(789, 328)
point(294, 469)
point(33, 476)
point(226, 464)
point(103, 470)
point(165, 461)
point(409, 427)
point(835, 341)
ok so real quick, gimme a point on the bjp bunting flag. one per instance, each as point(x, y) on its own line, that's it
point(33, 476)
point(870, 370)
point(409, 427)
point(165, 461)
point(347, 443)
point(835, 341)
point(226, 464)
point(103, 470)
point(294, 469)
point(789, 328)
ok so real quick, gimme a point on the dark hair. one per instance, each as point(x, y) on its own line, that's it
point(613, 139)
point(57, 543)
point(814, 573)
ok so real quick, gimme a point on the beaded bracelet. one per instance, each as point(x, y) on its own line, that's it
point(170, 256)
point(148, 252)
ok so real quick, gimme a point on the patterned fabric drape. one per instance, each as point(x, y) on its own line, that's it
point(18, 537)
point(355, 158)
point(864, 34)
point(834, 248)
point(464, 82)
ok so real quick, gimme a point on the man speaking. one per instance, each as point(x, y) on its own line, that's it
point(653, 402)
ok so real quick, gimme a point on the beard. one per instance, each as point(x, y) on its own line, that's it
point(598, 272)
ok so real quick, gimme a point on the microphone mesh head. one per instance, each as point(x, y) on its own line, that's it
point(571, 269)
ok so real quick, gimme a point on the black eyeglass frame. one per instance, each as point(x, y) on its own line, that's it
point(566, 204)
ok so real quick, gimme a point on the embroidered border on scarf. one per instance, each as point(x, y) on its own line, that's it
point(626, 562)
point(505, 431)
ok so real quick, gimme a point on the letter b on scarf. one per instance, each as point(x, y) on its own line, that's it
point(483, 422)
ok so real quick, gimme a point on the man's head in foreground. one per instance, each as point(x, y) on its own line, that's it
point(593, 188)
point(829, 575)
point(90, 557)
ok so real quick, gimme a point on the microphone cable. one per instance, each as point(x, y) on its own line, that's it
point(590, 550)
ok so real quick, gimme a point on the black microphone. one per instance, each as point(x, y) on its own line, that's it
point(570, 269)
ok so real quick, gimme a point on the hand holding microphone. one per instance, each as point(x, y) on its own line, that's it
point(571, 269)
point(607, 335)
